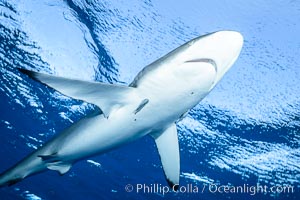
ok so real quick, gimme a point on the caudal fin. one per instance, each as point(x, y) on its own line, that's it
point(8, 179)
point(26, 167)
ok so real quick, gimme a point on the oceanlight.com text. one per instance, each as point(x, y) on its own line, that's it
point(210, 188)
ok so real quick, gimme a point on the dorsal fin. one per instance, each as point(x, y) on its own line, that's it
point(105, 96)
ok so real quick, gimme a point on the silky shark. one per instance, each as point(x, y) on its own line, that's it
point(159, 96)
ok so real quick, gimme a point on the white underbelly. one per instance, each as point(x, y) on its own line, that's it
point(97, 135)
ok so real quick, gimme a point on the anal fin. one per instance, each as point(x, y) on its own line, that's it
point(53, 162)
point(62, 168)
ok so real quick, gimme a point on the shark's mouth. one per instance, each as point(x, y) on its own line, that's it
point(206, 60)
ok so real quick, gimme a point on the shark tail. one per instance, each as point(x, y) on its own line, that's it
point(11, 176)
point(37, 162)
point(30, 165)
point(6, 181)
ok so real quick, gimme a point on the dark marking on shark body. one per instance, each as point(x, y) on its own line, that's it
point(49, 158)
point(141, 106)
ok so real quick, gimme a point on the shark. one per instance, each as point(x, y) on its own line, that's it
point(152, 104)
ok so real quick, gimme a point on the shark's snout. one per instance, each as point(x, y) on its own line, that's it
point(230, 45)
point(225, 49)
point(219, 49)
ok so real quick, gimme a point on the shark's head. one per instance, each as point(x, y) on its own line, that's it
point(193, 68)
point(209, 56)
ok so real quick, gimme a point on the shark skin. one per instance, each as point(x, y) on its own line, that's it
point(160, 95)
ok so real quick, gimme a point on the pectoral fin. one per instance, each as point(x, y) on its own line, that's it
point(105, 96)
point(168, 148)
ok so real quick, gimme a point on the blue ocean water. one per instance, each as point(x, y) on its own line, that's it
point(245, 132)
